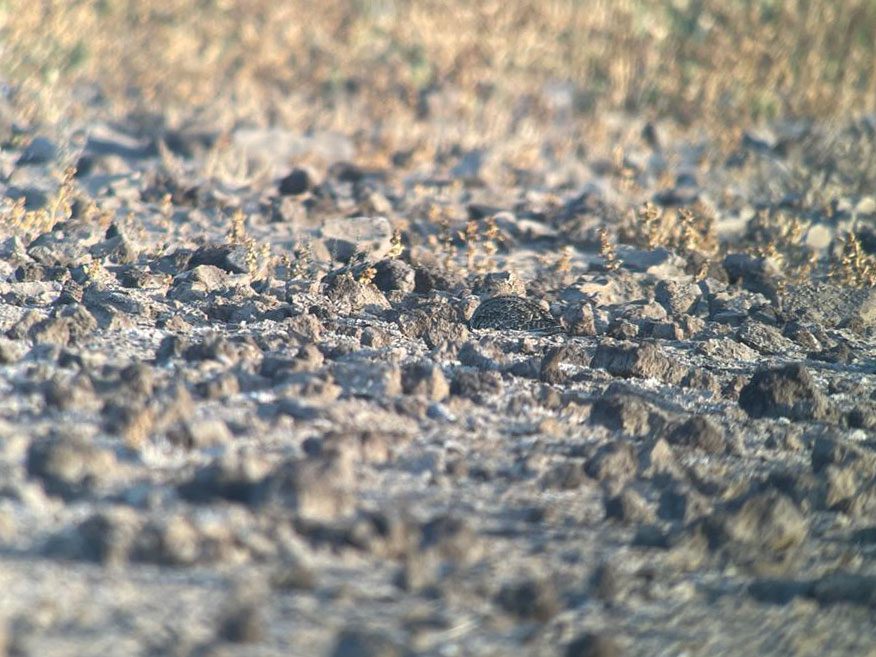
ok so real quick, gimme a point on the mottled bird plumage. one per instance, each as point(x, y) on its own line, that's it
point(510, 313)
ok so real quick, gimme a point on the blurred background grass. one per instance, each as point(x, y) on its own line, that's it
point(707, 63)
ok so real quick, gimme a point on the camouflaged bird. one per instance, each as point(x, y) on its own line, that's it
point(510, 313)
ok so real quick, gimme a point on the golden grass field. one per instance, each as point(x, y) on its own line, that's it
point(705, 63)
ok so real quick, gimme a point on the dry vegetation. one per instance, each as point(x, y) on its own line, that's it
point(420, 77)
point(705, 61)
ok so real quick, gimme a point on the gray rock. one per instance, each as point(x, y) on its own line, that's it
point(848, 588)
point(105, 537)
point(67, 465)
point(529, 599)
point(351, 296)
point(296, 182)
point(615, 464)
point(678, 298)
point(234, 478)
point(629, 506)
point(831, 306)
point(700, 432)
point(349, 237)
point(579, 319)
point(394, 275)
point(764, 338)
point(368, 379)
point(317, 489)
point(426, 379)
point(366, 643)
point(640, 361)
point(591, 644)
point(628, 414)
point(766, 524)
point(198, 434)
point(786, 392)
point(41, 150)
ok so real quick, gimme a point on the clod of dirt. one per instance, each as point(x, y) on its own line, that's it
point(788, 391)
point(69, 466)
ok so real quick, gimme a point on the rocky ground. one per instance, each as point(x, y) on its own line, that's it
point(252, 418)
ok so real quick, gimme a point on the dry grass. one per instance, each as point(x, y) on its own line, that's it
point(416, 77)
point(704, 61)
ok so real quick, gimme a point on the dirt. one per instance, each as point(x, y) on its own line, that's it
point(249, 420)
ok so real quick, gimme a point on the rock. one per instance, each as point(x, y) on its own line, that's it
point(678, 298)
point(563, 476)
point(779, 591)
point(831, 306)
point(429, 278)
point(658, 262)
point(724, 349)
point(30, 293)
point(832, 449)
point(755, 274)
point(242, 622)
point(847, 588)
point(394, 274)
point(366, 643)
point(701, 379)
point(550, 371)
point(368, 379)
point(317, 489)
point(230, 258)
point(628, 506)
point(11, 351)
point(733, 308)
point(296, 182)
point(194, 284)
point(350, 295)
point(641, 361)
point(65, 394)
point(426, 379)
point(119, 249)
point(175, 541)
point(765, 339)
point(363, 446)
point(529, 599)
point(579, 319)
point(234, 477)
point(484, 356)
point(277, 148)
point(861, 416)
point(622, 329)
point(839, 353)
point(701, 433)
point(105, 537)
point(475, 384)
point(367, 237)
point(41, 150)
point(69, 324)
point(766, 525)
point(656, 458)
point(67, 465)
point(614, 464)
point(198, 434)
point(787, 391)
point(65, 244)
point(629, 414)
point(592, 644)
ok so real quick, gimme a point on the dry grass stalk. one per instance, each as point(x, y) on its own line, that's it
point(607, 251)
